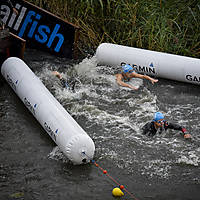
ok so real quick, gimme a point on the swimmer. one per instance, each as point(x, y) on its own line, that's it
point(69, 84)
point(127, 74)
point(159, 124)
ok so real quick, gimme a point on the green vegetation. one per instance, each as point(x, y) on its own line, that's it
point(171, 26)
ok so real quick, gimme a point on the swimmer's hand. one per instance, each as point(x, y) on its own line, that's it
point(154, 81)
point(133, 88)
point(57, 74)
point(187, 136)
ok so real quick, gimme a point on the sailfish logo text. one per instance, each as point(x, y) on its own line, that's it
point(42, 33)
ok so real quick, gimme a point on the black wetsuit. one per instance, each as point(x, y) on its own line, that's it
point(150, 130)
point(68, 83)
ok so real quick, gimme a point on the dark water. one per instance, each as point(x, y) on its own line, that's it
point(160, 168)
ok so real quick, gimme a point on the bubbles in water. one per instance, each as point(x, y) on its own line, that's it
point(113, 117)
point(157, 168)
point(56, 154)
point(87, 68)
point(190, 159)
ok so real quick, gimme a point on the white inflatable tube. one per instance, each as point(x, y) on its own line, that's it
point(164, 65)
point(72, 140)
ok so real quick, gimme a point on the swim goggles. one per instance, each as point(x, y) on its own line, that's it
point(131, 71)
point(159, 122)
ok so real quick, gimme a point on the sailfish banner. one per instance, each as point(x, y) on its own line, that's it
point(41, 29)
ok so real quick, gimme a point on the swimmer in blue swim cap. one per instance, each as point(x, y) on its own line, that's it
point(159, 124)
point(127, 74)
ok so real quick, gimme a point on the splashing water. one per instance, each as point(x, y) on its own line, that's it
point(113, 117)
point(163, 167)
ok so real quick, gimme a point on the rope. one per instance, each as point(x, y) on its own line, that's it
point(106, 173)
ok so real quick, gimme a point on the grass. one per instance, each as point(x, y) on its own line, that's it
point(171, 26)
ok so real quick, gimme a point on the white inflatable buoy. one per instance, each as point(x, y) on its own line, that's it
point(164, 65)
point(72, 140)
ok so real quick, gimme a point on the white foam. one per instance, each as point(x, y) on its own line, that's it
point(191, 158)
point(123, 124)
point(56, 154)
point(157, 167)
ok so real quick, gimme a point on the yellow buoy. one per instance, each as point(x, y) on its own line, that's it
point(117, 192)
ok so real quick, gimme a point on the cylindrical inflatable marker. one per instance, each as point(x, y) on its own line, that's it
point(164, 65)
point(72, 140)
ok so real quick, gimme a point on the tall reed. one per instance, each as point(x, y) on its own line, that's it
point(171, 26)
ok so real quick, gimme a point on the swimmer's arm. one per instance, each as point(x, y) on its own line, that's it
point(148, 130)
point(120, 82)
point(57, 74)
point(145, 77)
point(173, 126)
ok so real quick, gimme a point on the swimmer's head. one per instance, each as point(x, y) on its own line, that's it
point(158, 116)
point(127, 68)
